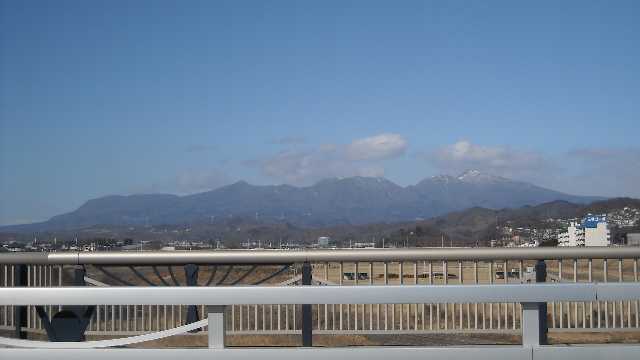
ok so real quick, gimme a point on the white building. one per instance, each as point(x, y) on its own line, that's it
point(573, 237)
point(593, 231)
point(596, 231)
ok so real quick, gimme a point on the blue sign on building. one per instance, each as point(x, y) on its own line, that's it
point(591, 221)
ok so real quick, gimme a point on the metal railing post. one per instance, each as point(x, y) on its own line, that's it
point(20, 312)
point(307, 325)
point(191, 276)
point(532, 328)
point(541, 276)
point(79, 272)
point(216, 326)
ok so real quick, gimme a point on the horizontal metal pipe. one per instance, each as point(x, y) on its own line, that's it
point(252, 295)
point(618, 291)
point(485, 352)
point(24, 258)
point(467, 352)
point(298, 256)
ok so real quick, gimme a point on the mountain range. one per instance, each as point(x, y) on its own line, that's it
point(330, 202)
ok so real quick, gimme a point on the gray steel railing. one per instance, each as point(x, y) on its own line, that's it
point(362, 267)
point(315, 256)
point(216, 299)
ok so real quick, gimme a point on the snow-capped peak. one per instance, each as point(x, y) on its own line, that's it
point(443, 178)
point(469, 174)
point(478, 176)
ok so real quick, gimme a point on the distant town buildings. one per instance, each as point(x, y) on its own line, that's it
point(592, 231)
point(364, 245)
point(633, 239)
point(509, 236)
point(625, 217)
point(324, 242)
point(618, 227)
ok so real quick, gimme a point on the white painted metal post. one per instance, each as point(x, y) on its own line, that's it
point(216, 326)
point(531, 327)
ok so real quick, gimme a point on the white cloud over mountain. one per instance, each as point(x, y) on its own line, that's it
point(361, 157)
point(585, 171)
point(497, 160)
point(383, 146)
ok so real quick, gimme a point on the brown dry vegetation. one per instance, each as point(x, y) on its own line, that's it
point(631, 337)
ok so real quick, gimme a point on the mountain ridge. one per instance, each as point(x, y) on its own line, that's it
point(474, 226)
point(328, 202)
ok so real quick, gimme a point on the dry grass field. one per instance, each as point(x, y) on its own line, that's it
point(199, 340)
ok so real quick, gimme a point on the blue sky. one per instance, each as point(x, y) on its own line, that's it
point(124, 97)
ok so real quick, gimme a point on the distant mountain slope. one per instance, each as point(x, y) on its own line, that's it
point(474, 189)
point(460, 228)
point(355, 200)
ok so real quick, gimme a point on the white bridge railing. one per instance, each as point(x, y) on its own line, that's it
point(530, 296)
point(375, 268)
